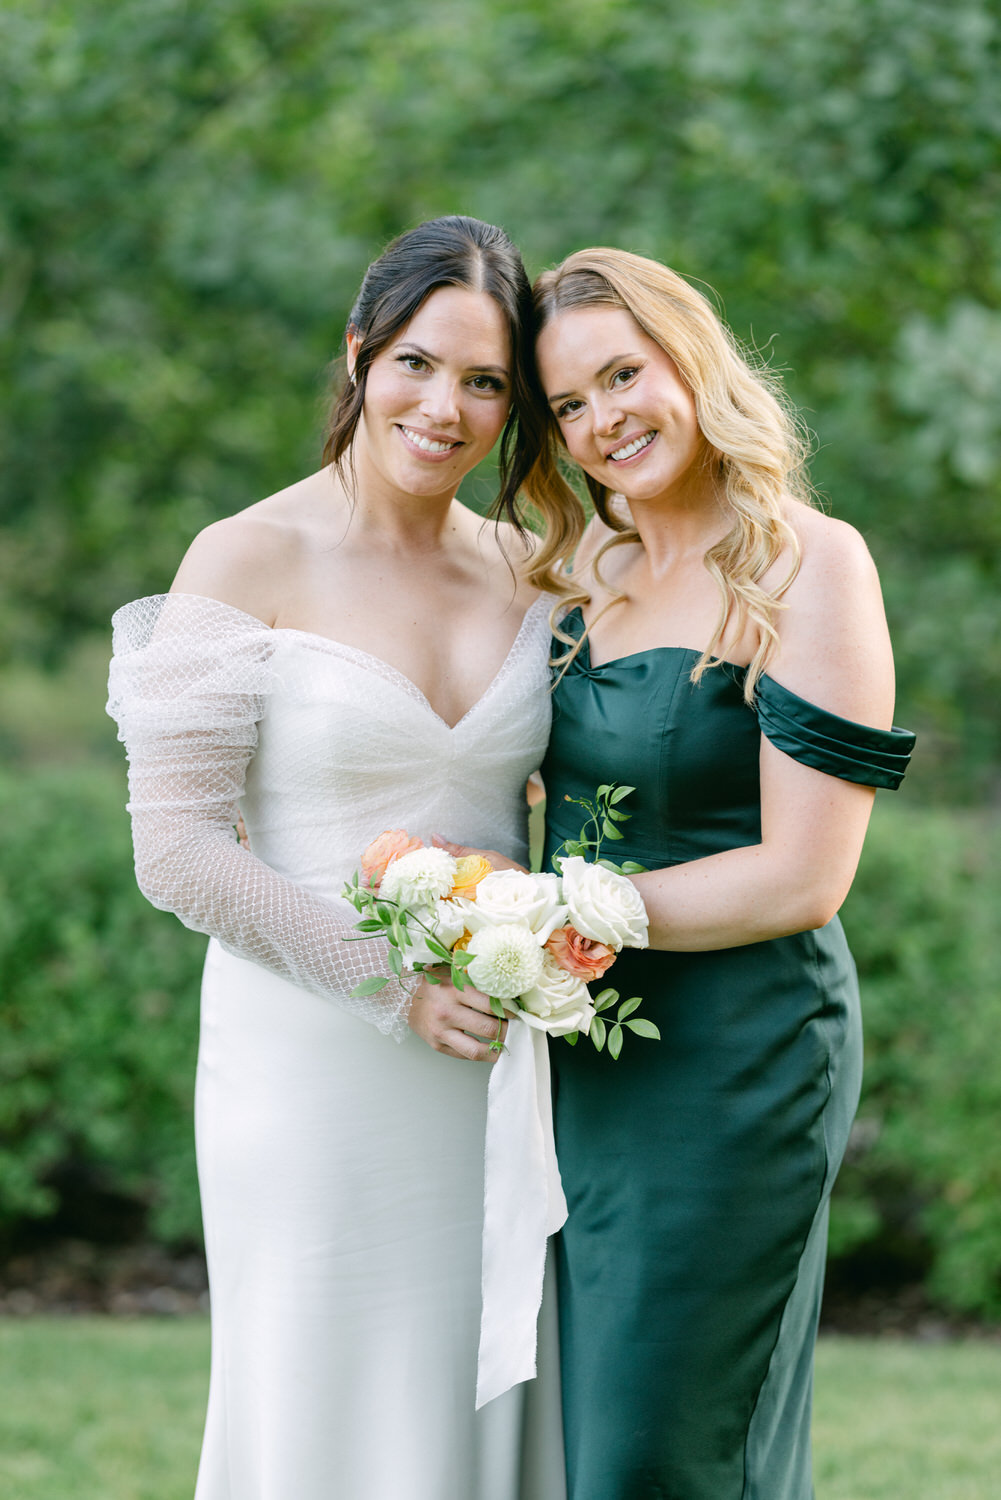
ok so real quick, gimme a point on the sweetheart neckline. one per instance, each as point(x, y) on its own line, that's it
point(393, 674)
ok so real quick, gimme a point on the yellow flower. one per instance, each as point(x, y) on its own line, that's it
point(470, 869)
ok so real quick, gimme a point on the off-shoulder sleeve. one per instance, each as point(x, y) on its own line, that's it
point(854, 752)
point(188, 684)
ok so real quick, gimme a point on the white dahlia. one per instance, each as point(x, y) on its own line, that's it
point(419, 878)
point(507, 960)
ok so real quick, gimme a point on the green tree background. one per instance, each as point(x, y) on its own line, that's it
point(189, 195)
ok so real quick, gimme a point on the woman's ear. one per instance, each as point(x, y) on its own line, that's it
point(354, 344)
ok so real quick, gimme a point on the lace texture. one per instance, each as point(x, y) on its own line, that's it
point(322, 747)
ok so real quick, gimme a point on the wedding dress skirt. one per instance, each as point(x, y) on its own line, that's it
point(341, 1171)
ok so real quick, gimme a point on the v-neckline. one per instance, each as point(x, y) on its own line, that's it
point(389, 673)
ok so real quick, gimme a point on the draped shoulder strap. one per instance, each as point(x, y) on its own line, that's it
point(825, 741)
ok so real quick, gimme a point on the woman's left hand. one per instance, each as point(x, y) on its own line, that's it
point(460, 851)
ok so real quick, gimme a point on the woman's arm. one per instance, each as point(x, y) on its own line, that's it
point(835, 652)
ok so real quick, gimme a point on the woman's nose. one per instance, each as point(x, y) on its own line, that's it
point(440, 401)
point(607, 415)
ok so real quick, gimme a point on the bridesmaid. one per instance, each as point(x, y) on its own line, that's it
point(726, 653)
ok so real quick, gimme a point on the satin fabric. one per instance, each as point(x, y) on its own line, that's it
point(697, 1169)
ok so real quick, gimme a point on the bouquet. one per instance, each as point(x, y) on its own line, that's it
point(532, 943)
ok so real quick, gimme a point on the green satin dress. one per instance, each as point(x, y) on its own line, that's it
point(698, 1169)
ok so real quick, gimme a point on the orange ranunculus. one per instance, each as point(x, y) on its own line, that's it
point(580, 956)
point(463, 942)
point(382, 851)
point(469, 871)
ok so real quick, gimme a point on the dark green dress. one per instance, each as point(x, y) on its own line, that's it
point(697, 1169)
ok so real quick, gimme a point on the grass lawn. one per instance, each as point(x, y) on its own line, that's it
point(98, 1409)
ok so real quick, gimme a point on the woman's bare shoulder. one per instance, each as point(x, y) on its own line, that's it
point(245, 560)
point(834, 643)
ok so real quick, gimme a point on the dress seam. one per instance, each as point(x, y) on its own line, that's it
point(825, 1188)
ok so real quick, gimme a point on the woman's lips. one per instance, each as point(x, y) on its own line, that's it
point(426, 445)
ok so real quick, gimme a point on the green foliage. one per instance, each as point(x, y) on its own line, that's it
point(98, 1008)
point(922, 1183)
point(189, 197)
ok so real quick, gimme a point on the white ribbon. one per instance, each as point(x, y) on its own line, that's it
point(523, 1204)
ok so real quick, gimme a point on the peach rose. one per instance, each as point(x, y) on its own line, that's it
point(382, 851)
point(578, 955)
point(469, 871)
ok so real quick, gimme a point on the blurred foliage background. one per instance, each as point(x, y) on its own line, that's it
point(189, 195)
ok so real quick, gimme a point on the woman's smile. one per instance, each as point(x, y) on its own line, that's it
point(428, 445)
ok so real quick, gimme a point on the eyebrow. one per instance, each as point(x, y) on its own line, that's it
point(435, 358)
point(615, 360)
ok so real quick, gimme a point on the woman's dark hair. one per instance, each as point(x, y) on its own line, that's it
point(450, 251)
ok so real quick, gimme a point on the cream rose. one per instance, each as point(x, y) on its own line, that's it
point(558, 1002)
point(603, 905)
point(516, 896)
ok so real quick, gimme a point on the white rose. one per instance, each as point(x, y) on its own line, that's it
point(603, 905)
point(558, 1002)
point(445, 921)
point(506, 960)
point(517, 896)
point(419, 878)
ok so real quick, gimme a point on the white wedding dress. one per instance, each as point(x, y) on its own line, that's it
point(341, 1169)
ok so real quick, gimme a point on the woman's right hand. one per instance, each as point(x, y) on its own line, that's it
point(444, 1018)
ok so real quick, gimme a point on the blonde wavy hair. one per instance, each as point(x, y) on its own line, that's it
point(756, 448)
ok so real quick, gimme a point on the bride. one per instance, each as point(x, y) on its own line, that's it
point(354, 654)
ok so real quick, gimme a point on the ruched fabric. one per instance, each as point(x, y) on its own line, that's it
point(818, 738)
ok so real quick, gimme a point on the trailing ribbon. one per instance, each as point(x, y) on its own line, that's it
point(523, 1204)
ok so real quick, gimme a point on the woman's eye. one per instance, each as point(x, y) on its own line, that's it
point(412, 361)
point(623, 376)
point(568, 409)
point(486, 383)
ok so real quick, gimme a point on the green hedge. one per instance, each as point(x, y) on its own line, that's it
point(922, 1185)
point(98, 1030)
point(98, 1008)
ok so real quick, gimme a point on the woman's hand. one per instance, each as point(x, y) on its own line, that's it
point(498, 861)
point(444, 1018)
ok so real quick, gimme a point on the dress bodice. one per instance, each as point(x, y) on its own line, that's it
point(324, 747)
point(347, 746)
point(690, 750)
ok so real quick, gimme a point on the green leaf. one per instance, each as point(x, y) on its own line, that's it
point(643, 1027)
point(369, 924)
point(396, 961)
point(571, 1037)
point(497, 1006)
point(620, 793)
point(597, 1032)
point(615, 1041)
point(617, 816)
point(605, 998)
point(603, 791)
point(630, 867)
point(610, 831)
point(628, 1006)
point(459, 979)
point(461, 958)
point(609, 864)
point(370, 986)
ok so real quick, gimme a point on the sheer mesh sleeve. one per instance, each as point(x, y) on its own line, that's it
point(188, 684)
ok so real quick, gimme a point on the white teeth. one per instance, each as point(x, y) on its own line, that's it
point(428, 444)
point(634, 447)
